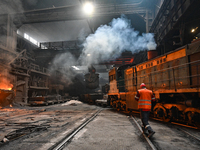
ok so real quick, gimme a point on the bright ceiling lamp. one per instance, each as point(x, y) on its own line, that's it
point(193, 30)
point(88, 8)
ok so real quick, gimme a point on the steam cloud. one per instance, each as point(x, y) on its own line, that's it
point(109, 41)
point(63, 64)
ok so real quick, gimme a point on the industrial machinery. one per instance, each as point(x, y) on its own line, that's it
point(173, 77)
point(91, 83)
point(92, 78)
point(46, 100)
point(6, 97)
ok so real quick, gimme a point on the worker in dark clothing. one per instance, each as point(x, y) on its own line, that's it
point(144, 98)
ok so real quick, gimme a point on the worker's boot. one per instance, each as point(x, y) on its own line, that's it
point(151, 133)
point(145, 131)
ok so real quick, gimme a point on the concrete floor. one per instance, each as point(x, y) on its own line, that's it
point(110, 130)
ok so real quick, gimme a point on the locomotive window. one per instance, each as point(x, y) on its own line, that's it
point(158, 62)
point(146, 65)
point(151, 64)
point(110, 78)
point(161, 61)
point(119, 74)
point(164, 60)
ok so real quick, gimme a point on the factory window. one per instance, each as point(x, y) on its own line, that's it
point(158, 62)
point(26, 36)
point(146, 65)
point(161, 61)
point(32, 40)
point(151, 64)
point(164, 60)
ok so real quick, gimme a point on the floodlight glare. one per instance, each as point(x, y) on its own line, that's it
point(88, 8)
point(192, 30)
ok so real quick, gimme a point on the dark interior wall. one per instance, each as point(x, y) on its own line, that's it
point(137, 21)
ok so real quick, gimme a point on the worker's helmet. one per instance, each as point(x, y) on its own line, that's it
point(142, 85)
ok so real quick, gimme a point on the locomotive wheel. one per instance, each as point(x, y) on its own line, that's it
point(118, 106)
point(189, 117)
point(192, 118)
point(159, 113)
point(165, 119)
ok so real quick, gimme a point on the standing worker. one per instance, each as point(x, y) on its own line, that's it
point(144, 98)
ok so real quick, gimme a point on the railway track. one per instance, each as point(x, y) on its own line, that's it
point(190, 134)
point(171, 135)
point(151, 117)
point(63, 143)
point(152, 146)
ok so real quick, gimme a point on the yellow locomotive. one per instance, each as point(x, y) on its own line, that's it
point(173, 77)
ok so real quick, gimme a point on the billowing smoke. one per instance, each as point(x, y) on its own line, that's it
point(62, 63)
point(109, 41)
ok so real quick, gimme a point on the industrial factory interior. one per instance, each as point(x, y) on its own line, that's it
point(71, 70)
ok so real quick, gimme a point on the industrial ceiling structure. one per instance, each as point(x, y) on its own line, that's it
point(64, 26)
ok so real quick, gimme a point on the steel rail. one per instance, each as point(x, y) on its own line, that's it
point(146, 138)
point(195, 137)
point(175, 123)
point(68, 138)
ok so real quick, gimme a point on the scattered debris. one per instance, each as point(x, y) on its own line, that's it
point(24, 131)
point(42, 110)
point(5, 140)
point(73, 104)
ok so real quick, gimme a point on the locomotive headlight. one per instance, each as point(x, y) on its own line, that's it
point(88, 8)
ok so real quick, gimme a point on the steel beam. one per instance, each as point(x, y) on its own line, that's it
point(74, 13)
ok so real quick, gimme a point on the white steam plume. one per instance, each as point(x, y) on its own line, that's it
point(109, 41)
